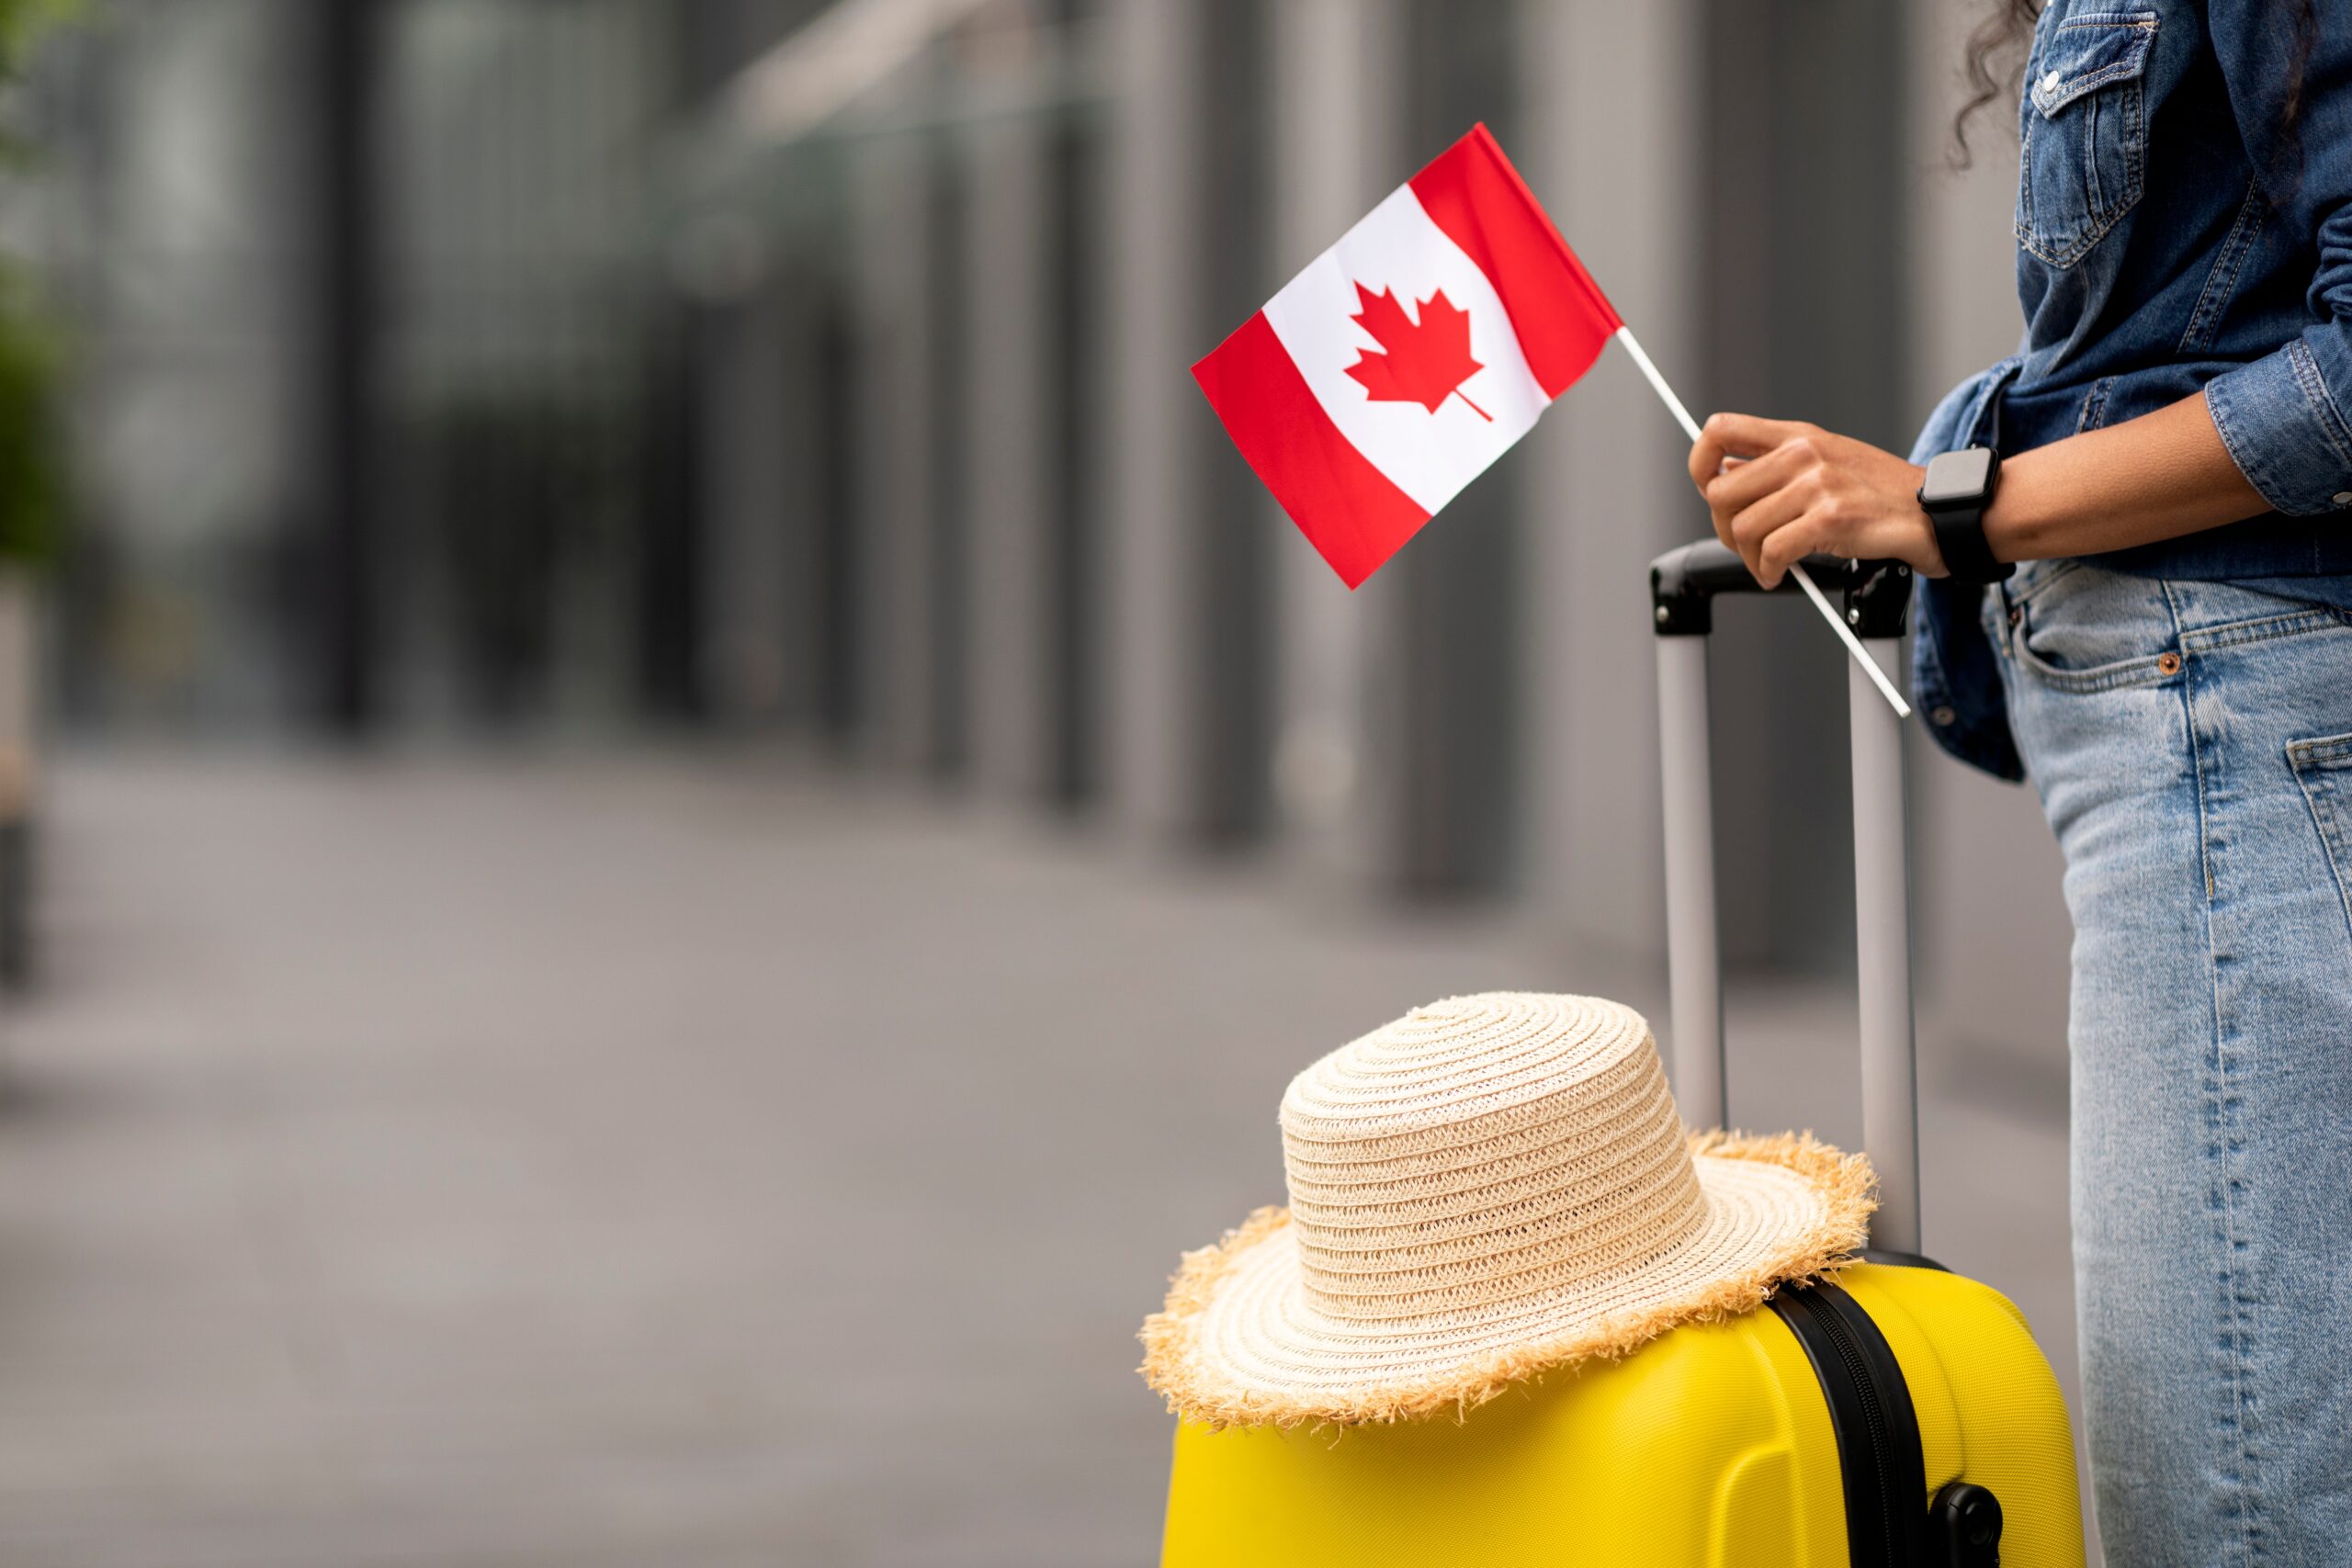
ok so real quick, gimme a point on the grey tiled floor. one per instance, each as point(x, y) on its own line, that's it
point(652, 1162)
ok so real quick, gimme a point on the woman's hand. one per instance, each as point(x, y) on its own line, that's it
point(1780, 491)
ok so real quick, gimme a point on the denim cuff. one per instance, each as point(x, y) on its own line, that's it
point(2285, 431)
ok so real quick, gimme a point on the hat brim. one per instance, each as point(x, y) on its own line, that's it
point(1239, 1343)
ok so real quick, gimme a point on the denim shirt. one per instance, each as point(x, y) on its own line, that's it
point(2173, 235)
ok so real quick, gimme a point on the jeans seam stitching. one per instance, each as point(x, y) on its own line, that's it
point(2217, 1086)
point(2237, 634)
point(2323, 751)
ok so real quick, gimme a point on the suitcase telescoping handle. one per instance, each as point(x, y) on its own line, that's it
point(1683, 586)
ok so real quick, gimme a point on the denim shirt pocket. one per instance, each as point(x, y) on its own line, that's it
point(2084, 132)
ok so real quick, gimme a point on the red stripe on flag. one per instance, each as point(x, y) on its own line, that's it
point(1350, 511)
point(1473, 194)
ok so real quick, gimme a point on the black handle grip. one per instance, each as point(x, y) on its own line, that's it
point(1685, 580)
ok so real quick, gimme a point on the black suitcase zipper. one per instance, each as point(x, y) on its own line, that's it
point(1879, 1458)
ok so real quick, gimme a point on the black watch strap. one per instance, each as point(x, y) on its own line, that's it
point(1955, 493)
point(1960, 538)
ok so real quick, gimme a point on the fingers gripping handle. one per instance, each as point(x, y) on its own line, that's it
point(1683, 585)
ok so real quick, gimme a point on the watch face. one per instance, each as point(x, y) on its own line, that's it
point(1957, 475)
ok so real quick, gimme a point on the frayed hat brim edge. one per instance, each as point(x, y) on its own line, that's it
point(1172, 1364)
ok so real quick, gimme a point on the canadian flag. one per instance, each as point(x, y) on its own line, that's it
point(1409, 356)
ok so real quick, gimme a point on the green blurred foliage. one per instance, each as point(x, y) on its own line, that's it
point(32, 477)
point(21, 23)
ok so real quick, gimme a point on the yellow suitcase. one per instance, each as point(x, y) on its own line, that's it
point(1901, 1415)
point(1716, 1445)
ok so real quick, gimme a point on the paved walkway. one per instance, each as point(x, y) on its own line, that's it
point(654, 1163)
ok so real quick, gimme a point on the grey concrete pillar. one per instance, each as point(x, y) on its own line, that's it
point(1009, 318)
point(344, 78)
point(1987, 892)
point(741, 407)
point(1156, 211)
point(1806, 317)
point(1335, 81)
point(1612, 148)
point(823, 545)
point(891, 221)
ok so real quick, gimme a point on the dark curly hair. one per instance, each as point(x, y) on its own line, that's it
point(1997, 51)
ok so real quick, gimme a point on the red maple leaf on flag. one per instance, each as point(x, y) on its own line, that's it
point(1425, 363)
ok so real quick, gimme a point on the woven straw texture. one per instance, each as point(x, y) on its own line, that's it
point(1483, 1190)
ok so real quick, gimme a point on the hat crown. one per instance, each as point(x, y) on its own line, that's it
point(1483, 1151)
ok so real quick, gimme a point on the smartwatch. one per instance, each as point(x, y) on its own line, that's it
point(1958, 490)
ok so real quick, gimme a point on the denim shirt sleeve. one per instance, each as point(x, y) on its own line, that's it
point(1955, 678)
point(2283, 416)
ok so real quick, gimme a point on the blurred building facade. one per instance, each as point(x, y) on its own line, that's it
point(818, 372)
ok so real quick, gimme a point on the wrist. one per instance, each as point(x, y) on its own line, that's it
point(1929, 560)
point(1918, 550)
point(2018, 522)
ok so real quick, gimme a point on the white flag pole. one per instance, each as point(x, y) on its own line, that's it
point(1804, 579)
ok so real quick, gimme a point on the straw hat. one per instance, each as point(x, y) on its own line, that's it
point(1482, 1190)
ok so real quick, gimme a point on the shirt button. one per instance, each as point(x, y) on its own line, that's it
point(1940, 716)
point(2344, 498)
point(2017, 616)
point(2050, 81)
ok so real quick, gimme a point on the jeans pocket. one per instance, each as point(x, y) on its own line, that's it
point(2083, 130)
point(2323, 768)
point(2087, 628)
point(2032, 579)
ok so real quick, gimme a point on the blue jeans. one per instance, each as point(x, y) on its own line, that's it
point(2192, 744)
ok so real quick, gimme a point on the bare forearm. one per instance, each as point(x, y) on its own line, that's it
point(1779, 489)
point(2157, 477)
